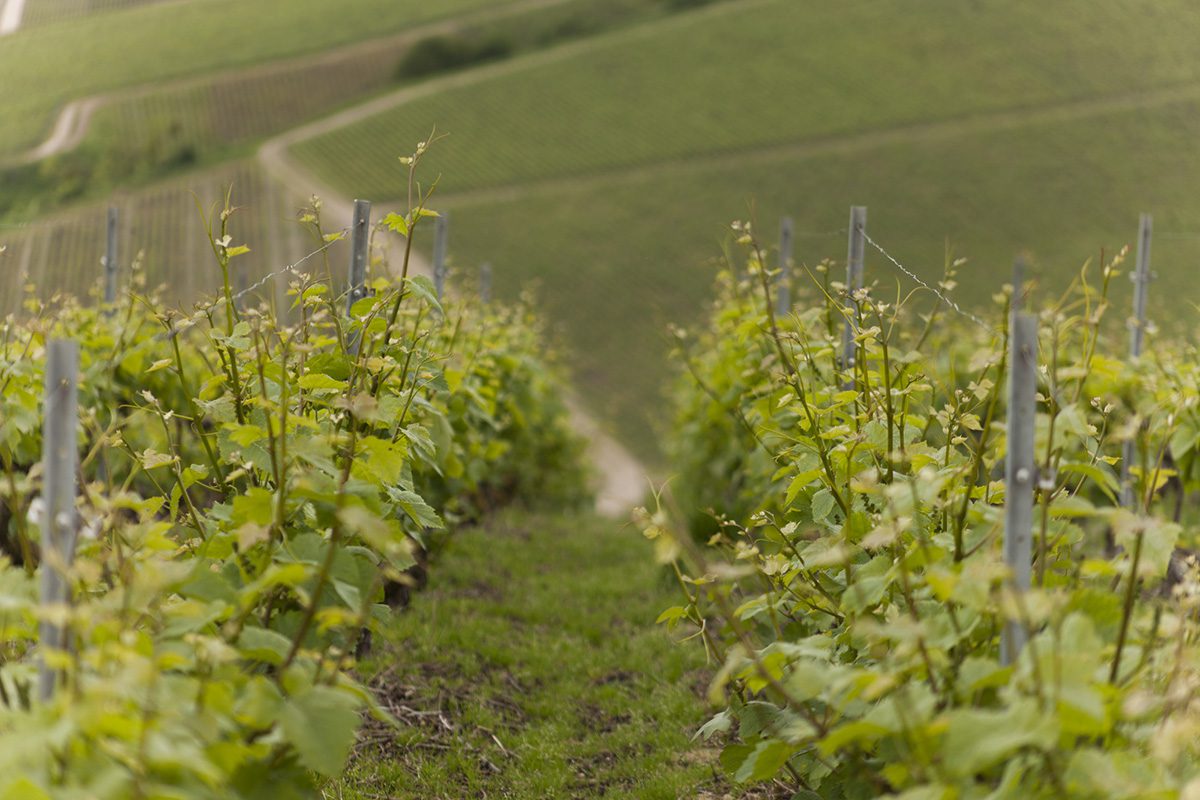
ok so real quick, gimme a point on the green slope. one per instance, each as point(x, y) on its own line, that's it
point(618, 258)
point(754, 73)
point(610, 174)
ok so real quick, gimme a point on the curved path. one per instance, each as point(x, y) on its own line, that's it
point(69, 129)
point(11, 12)
point(621, 481)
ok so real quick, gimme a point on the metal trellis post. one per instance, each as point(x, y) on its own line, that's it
point(1019, 470)
point(485, 282)
point(854, 282)
point(441, 233)
point(1137, 334)
point(60, 459)
point(110, 259)
point(360, 241)
point(783, 289)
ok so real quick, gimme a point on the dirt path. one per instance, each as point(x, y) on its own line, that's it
point(10, 16)
point(69, 129)
point(621, 480)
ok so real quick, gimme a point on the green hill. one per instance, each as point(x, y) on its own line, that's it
point(609, 169)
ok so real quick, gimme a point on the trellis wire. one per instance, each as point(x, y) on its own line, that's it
point(917, 279)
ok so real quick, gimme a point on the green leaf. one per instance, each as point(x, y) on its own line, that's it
point(1102, 476)
point(24, 789)
point(162, 363)
point(319, 381)
point(671, 615)
point(154, 460)
point(721, 723)
point(424, 288)
point(245, 435)
point(799, 483)
point(262, 644)
point(259, 705)
point(417, 509)
point(320, 723)
point(977, 739)
point(383, 460)
point(256, 505)
point(396, 223)
point(766, 760)
point(822, 504)
point(733, 756)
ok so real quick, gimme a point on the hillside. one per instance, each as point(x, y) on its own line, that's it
point(604, 169)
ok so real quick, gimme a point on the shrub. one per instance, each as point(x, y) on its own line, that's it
point(854, 592)
point(437, 54)
point(249, 488)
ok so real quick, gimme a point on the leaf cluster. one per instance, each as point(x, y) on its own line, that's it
point(836, 529)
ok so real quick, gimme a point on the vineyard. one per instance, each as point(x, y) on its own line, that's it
point(509, 468)
point(663, 93)
point(251, 494)
point(211, 116)
point(162, 231)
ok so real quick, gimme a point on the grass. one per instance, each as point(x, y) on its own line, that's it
point(158, 42)
point(618, 258)
point(752, 74)
point(531, 668)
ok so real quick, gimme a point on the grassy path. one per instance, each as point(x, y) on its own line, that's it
point(531, 668)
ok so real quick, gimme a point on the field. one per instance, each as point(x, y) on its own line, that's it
point(160, 42)
point(616, 207)
point(212, 115)
point(666, 92)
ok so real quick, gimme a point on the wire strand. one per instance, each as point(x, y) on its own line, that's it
point(943, 297)
point(819, 234)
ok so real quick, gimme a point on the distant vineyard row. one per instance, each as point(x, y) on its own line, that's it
point(44, 12)
point(63, 254)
